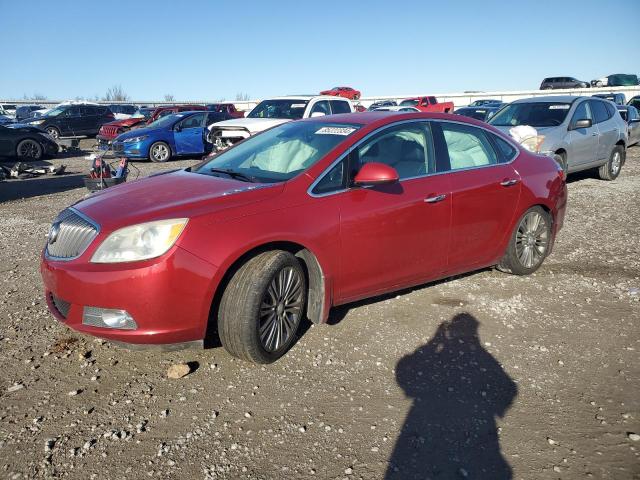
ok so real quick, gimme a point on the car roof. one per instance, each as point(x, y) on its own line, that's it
point(550, 98)
point(306, 97)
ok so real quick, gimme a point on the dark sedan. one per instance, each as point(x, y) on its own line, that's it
point(29, 143)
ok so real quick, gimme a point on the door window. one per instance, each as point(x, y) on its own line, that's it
point(322, 107)
point(468, 147)
point(407, 148)
point(600, 113)
point(87, 111)
point(73, 112)
point(583, 112)
point(194, 121)
point(338, 106)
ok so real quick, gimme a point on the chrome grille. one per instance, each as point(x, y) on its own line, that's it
point(70, 235)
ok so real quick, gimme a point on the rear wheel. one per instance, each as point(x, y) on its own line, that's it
point(29, 149)
point(529, 243)
point(611, 169)
point(159, 152)
point(54, 132)
point(262, 307)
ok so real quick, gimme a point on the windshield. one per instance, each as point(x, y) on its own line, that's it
point(56, 111)
point(165, 121)
point(409, 103)
point(280, 153)
point(289, 109)
point(537, 114)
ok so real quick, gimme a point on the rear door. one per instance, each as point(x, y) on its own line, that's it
point(188, 134)
point(583, 142)
point(73, 122)
point(485, 191)
point(89, 119)
point(608, 132)
point(394, 235)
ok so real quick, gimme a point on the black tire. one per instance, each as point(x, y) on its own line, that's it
point(29, 149)
point(159, 152)
point(513, 261)
point(244, 300)
point(54, 132)
point(611, 169)
point(561, 159)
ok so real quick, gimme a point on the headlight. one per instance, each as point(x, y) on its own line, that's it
point(37, 122)
point(140, 242)
point(135, 139)
point(533, 144)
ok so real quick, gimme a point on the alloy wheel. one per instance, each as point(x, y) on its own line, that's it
point(281, 309)
point(532, 239)
point(53, 132)
point(29, 149)
point(616, 163)
point(160, 152)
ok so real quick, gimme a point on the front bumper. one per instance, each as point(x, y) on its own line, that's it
point(131, 149)
point(169, 298)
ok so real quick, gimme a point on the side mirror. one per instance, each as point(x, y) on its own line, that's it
point(375, 173)
point(317, 114)
point(582, 123)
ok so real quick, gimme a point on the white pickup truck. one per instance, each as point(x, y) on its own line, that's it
point(272, 112)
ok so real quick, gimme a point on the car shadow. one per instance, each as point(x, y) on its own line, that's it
point(337, 314)
point(582, 175)
point(458, 391)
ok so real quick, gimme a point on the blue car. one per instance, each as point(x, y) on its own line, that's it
point(174, 135)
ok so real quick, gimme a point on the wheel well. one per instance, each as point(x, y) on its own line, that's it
point(561, 151)
point(620, 142)
point(310, 265)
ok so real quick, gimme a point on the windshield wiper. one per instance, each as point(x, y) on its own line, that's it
point(233, 174)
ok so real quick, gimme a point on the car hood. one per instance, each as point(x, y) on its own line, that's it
point(25, 128)
point(540, 130)
point(126, 122)
point(174, 194)
point(254, 125)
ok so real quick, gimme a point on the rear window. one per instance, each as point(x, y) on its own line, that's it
point(411, 102)
point(338, 106)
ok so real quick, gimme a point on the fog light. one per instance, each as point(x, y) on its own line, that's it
point(108, 318)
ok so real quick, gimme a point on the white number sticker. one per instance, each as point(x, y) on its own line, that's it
point(335, 131)
point(558, 107)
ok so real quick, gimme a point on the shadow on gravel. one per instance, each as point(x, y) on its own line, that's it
point(44, 185)
point(458, 390)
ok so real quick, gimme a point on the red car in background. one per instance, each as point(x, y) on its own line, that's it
point(227, 108)
point(428, 104)
point(109, 131)
point(346, 92)
point(286, 224)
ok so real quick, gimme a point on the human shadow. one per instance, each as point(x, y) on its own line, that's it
point(458, 390)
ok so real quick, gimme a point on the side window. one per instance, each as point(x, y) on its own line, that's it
point(600, 113)
point(322, 106)
point(338, 106)
point(73, 111)
point(194, 121)
point(87, 111)
point(334, 180)
point(506, 151)
point(407, 148)
point(611, 109)
point(583, 112)
point(468, 146)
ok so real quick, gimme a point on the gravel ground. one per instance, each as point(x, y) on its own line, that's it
point(482, 376)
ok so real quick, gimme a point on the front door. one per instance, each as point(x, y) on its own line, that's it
point(189, 134)
point(394, 235)
point(583, 142)
point(484, 196)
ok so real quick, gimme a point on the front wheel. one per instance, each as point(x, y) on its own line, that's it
point(611, 169)
point(159, 152)
point(29, 149)
point(262, 307)
point(529, 243)
point(54, 132)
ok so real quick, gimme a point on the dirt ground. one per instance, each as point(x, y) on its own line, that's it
point(485, 376)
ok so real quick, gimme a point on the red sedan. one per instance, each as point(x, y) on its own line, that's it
point(285, 225)
point(346, 92)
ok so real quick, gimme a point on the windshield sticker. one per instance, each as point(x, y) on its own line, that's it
point(298, 105)
point(558, 107)
point(335, 131)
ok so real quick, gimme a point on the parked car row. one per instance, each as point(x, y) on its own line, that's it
point(616, 80)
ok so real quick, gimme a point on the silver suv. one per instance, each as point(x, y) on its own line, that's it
point(579, 132)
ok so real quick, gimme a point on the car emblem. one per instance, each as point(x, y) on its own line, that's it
point(53, 233)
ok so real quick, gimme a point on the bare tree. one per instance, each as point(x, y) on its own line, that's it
point(36, 96)
point(169, 98)
point(116, 94)
point(242, 97)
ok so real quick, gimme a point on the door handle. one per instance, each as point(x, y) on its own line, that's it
point(509, 183)
point(436, 199)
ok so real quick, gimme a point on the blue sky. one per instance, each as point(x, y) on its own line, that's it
point(206, 50)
